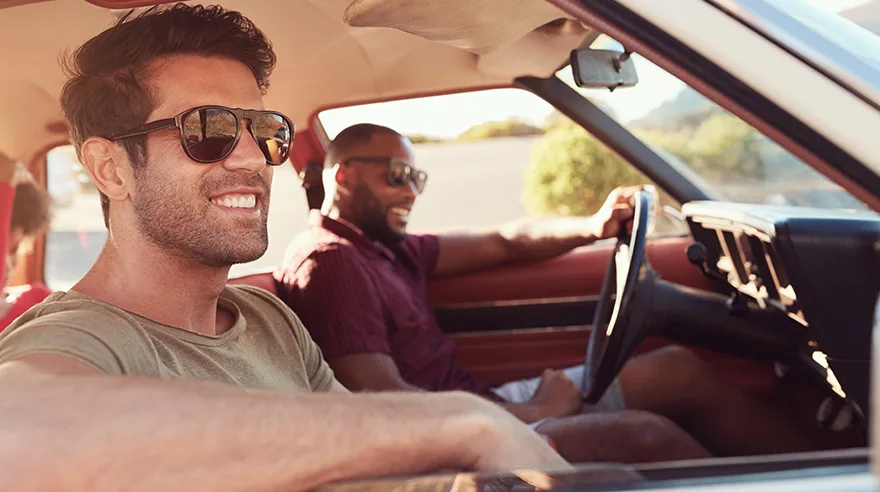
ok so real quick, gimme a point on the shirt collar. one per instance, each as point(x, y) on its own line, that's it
point(348, 231)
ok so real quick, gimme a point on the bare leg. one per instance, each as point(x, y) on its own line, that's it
point(677, 384)
point(628, 436)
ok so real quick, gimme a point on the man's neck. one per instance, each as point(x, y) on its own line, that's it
point(165, 288)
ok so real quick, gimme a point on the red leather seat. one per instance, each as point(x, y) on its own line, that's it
point(263, 280)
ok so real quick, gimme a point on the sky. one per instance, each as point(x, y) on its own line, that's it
point(450, 115)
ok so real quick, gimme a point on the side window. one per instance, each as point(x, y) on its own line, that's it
point(494, 156)
point(77, 233)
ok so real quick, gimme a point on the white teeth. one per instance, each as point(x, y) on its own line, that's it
point(236, 201)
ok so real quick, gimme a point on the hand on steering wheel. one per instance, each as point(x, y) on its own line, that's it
point(618, 324)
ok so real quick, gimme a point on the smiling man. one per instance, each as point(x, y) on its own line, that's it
point(359, 281)
point(151, 372)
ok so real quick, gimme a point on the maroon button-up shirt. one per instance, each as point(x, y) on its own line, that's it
point(355, 296)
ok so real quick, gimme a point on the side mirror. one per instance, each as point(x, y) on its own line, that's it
point(602, 69)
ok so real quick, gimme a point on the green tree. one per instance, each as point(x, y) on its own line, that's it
point(571, 173)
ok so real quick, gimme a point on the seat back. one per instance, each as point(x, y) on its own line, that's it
point(263, 280)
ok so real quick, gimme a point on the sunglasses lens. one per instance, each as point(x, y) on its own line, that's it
point(398, 174)
point(209, 133)
point(419, 179)
point(274, 136)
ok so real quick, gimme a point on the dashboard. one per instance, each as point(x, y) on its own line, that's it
point(820, 267)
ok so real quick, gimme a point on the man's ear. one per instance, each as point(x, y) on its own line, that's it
point(108, 166)
point(338, 176)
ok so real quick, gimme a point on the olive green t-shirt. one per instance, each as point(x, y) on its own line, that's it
point(267, 346)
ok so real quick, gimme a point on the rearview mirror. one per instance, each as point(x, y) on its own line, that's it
point(602, 69)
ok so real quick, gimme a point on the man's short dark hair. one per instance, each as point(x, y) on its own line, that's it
point(107, 91)
point(352, 135)
point(30, 209)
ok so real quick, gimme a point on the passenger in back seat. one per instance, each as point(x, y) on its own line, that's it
point(24, 213)
point(359, 283)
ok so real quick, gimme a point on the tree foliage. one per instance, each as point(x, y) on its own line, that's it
point(510, 127)
point(571, 172)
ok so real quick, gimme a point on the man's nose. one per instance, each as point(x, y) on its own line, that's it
point(246, 156)
point(410, 190)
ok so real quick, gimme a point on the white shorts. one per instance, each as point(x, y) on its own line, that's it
point(522, 391)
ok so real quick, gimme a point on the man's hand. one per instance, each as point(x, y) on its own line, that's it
point(507, 443)
point(616, 211)
point(557, 395)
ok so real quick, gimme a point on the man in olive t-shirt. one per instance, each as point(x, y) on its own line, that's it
point(123, 382)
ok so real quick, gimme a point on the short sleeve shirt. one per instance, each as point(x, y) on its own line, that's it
point(358, 296)
point(267, 346)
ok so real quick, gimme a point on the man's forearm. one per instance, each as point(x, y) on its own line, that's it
point(546, 237)
point(111, 433)
point(527, 412)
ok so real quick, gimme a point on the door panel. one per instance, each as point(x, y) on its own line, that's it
point(578, 273)
point(513, 322)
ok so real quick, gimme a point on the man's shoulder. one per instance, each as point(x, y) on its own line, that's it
point(73, 307)
point(74, 312)
point(317, 246)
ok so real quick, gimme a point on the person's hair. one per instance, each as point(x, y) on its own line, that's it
point(107, 90)
point(30, 209)
point(351, 136)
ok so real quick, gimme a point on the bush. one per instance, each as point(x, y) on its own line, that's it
point(422, 139)
point(494, 129)
point(571, 173)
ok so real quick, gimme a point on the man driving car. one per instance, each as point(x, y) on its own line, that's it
point(359, 282)
point(152, 372)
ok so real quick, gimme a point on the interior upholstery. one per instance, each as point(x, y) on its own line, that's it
point(263, 280)
point(579, 273)
point(322, 61)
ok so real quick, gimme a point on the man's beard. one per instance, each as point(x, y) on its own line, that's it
point(182, 222)
point(372, 217)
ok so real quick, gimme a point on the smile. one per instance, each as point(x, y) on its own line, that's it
point(234, 200)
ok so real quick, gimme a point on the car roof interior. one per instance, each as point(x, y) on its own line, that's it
point(330, 52)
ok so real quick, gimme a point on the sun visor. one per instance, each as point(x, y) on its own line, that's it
point(481, 27)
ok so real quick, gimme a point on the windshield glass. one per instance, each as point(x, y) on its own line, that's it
point(735, 161)
point(840, 36)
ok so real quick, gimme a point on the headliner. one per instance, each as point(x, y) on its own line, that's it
point(398, 48)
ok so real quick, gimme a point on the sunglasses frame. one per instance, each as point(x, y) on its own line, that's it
point(239, 114)
point(389, 161)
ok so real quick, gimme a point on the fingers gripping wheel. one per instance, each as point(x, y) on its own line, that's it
point(619, 323)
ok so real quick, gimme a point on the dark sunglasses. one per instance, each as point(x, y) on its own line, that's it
point(210, 133)
point(400, 172)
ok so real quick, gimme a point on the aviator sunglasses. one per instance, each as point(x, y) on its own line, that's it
point(400, 172)
point(209, 133)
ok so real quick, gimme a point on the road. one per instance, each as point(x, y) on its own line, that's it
point(470, 185)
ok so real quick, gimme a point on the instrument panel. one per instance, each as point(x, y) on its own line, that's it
point(820, 267)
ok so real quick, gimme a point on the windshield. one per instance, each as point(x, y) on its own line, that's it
point(840, 36)
point(735, 161)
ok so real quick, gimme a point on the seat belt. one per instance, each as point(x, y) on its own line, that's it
point(312, 182)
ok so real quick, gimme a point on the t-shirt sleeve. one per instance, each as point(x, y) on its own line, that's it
point(319, 372)
point(60, 334)
point(424, 249)
point(338, 303)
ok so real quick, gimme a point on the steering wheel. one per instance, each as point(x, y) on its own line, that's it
point(620, 320)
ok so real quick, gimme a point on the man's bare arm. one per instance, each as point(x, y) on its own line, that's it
point(378, 372)
point(66, 428)
point(532, 239)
